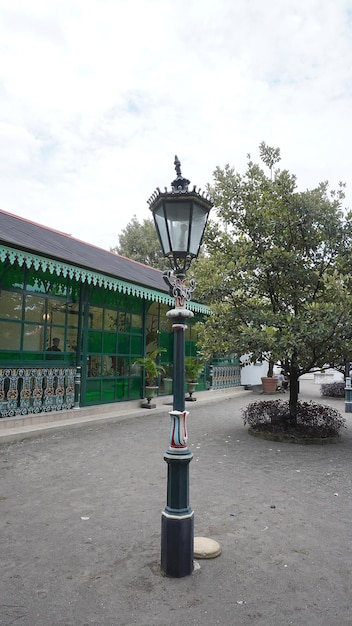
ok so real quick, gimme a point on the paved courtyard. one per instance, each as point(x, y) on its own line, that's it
point(80, 525)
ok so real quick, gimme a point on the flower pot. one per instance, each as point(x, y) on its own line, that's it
point(269, 384)
point(191, 388)
point(150, 393)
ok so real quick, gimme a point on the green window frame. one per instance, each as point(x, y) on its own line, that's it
point(114, 340)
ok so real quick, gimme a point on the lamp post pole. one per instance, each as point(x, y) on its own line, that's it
point(180, 218)
point(177, 520)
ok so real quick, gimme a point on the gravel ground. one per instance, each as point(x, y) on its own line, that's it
point(80, 525)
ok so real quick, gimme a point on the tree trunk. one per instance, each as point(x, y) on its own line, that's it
point(294, 384)
point(270, 372)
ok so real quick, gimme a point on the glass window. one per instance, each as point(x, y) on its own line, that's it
point(95, 317)
point(124, 321)
point(109, 342)
point(10, 335)
point(57, 312)
point(94, 341)
point(165, 322)
point(134, 388)
point(55, 339)
point(108, 390)
point(136, 345)
point(34, 309)
point(72, 340)
point(93, 391)
point(10, 305)
point(122, 366)
point(124, 343)
point(109, 365)
point(152, 333)
point(72, 315)
point(110, 320)
point(137, 323)
point(166, 340)
point(94, 366)
point(33, 337)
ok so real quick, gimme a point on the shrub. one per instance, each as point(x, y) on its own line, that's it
point(333, 390)
point(313, 419)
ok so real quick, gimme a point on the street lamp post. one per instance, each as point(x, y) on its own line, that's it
point(180, 217)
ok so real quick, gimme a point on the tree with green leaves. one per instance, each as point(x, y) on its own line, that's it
point(277, 272)
point(140, 242)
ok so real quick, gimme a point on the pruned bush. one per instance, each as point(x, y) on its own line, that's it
point(333, 390)
point(313, 419)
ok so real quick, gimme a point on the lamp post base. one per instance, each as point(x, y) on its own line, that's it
point(177, 545)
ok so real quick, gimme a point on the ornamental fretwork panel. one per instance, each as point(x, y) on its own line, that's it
point(35, 390)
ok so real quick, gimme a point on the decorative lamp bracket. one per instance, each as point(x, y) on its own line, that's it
point(178, 288)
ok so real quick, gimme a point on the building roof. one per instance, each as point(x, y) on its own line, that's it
point(29, 236)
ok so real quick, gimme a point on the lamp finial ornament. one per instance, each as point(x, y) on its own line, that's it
point(180, 184)
point(177, 164)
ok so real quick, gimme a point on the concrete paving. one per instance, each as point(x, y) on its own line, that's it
point(80, 524)
point(26, 426)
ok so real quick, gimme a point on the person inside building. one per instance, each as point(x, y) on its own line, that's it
point(55, 346)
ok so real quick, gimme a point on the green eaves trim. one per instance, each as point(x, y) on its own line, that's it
point(92, 278)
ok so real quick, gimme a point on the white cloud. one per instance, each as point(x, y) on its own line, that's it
point(97, 96)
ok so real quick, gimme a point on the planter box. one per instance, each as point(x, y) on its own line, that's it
point(269, 384)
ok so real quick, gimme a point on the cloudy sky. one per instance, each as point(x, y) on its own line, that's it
point(97, 96)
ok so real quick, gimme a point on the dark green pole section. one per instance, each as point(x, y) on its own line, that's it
point(178, 486)
point(177, 521)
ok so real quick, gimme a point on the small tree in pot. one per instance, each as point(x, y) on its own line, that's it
point(269, 381)
point(192, 370)
point(151, 373)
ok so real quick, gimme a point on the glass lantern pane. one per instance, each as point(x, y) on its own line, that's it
point(199, 220)
point(178, 220)
point(162, 230)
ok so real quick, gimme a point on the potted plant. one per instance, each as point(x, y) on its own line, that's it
point(192, 370)
point(151, 373)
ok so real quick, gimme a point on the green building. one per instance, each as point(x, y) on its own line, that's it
point(73, 320)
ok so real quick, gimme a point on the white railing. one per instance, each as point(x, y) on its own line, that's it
point(222, 376)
